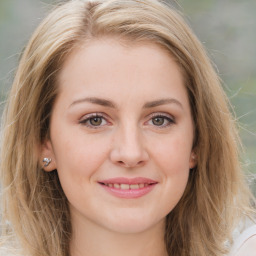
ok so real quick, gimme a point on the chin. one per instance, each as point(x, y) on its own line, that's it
point(132, 225)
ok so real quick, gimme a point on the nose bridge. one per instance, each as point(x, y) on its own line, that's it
point(131, 139)
point(128, 147)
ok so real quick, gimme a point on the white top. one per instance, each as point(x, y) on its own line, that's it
point(245, 243)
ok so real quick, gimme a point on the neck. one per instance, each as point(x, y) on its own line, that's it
point(89, 239)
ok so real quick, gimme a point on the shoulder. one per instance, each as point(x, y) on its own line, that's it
point(248, 248)
point(245, 244)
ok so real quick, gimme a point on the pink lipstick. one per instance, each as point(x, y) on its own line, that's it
point(128, 188)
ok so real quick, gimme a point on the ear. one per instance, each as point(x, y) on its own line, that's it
point(47, 157)
point(192, 160)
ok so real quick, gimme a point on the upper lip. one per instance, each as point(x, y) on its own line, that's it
point(123, 180)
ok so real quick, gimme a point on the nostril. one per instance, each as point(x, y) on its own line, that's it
point(130, 164)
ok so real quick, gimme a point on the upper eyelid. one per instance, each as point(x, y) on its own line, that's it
point(94, 114)
point(162, 114)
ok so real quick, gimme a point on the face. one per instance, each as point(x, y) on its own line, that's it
point(121, 135)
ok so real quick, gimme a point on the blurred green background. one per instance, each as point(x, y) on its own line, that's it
point(227, 29)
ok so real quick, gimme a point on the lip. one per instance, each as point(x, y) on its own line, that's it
point(147, 186)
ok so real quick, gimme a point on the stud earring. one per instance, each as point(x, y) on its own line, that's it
point(47, 161)
point(193, 156)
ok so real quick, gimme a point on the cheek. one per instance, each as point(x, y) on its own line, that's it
point(78, 157)
point(77, 163)
point(173, 154)
point(172, 158)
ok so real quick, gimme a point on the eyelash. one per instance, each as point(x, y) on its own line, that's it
point(86, 119)
point(167, 118)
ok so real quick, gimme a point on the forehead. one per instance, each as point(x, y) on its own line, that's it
point(108, 48)
point(109, 65)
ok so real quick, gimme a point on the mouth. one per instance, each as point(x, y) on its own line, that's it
point(124, 186)
point(128, 188)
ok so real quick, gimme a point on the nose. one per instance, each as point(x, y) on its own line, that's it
point(128, 149)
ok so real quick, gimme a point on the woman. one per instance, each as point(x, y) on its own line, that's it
point(118, 138)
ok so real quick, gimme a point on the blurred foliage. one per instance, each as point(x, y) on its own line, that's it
point(226, 28)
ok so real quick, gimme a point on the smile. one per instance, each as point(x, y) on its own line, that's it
point(128, 188)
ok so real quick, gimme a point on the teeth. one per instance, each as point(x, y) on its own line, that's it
point(134, 186)
point(127, 186)
point(116, 185)
point(124, 186)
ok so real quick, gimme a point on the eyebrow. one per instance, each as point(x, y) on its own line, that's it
point(160, 102)
point(110, 104)
point(94, 100)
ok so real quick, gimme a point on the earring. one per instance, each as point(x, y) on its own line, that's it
point(47, 161)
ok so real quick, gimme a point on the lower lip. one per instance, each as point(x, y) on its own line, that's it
point(129, 193)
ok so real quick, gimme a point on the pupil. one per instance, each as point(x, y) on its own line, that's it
point(96, 121)
point(158, 121)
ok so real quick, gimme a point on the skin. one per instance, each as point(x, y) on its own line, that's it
point(128, 141)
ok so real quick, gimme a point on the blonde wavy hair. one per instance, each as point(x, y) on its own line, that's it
point(216, 196)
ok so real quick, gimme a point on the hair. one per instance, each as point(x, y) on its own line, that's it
point(216, 196)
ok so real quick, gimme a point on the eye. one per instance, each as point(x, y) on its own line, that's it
point(94, 120)
point(158, 121)
point(161, 120)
